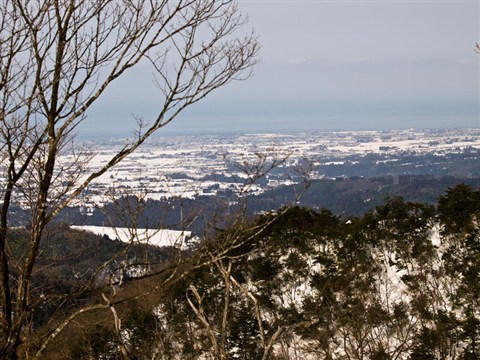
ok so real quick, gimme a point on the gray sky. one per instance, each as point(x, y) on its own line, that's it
point(337, 65)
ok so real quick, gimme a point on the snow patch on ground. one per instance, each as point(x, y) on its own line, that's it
point(157, 237)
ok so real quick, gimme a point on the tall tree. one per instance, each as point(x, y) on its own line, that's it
point(57, 59)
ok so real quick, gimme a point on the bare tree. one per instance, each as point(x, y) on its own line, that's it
point(57, 59)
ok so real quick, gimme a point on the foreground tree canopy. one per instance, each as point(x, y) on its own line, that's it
point(57, 59)
point(399, 282)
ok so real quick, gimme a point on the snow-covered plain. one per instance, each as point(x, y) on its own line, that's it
point(190, 165)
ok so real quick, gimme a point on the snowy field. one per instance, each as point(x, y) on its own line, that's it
point(190, 165)
point(160, 237)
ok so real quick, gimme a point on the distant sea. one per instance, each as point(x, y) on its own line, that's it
point(238, 125)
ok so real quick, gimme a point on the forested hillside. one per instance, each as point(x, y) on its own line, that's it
point(351, 196)
point(347, 196)
point(401, 281)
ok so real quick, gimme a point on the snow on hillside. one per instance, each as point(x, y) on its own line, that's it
point(157, 237)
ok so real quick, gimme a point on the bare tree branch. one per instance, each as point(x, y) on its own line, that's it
point(57, 59)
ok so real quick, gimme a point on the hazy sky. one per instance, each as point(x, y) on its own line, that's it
point(335, 65)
